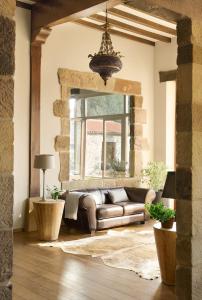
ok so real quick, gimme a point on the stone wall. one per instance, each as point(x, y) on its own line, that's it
point(7, 65)
point(189, 160)
point(87, 80)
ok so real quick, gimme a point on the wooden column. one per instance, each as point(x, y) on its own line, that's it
point(35, 99)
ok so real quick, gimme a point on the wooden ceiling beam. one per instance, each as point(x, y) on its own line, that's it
point(139, 20)
point(132, 29)
point(54, 12)
point(24, 5)
point(116, 32)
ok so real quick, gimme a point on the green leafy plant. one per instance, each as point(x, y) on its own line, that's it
point(160, 212)
point(118, 165)
point(55, 192)
point(154, 175)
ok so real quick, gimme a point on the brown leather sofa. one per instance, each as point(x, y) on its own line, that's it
point(105, 208)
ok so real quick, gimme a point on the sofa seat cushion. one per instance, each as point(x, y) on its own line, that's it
point(106, 211)
point(131, 208)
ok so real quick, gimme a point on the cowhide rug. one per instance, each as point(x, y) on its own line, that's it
point(127, 249)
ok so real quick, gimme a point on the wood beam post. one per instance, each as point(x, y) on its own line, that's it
point(35, 99)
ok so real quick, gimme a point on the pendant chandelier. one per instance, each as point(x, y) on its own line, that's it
point(106, 61)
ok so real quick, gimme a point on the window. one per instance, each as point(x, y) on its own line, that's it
point(99, 139)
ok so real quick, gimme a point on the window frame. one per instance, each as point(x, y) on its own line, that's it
point(125, 119)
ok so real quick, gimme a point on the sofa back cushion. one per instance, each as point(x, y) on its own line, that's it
point(118, 195)
point(136, 194)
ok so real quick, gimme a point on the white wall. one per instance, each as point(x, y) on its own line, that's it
point(68, 47)
point(165, 60)
point(21, 115)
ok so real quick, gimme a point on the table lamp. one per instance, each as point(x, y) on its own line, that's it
point(44, 162)
point(169, 190)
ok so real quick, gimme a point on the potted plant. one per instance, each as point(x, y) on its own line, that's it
point(55, 192)
point(118, 168)
point(161, 213)
point(154, 176)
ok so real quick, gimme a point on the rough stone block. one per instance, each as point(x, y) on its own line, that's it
point(64, 167)
point(136, 101)
point(184, 149)
point(7, 46)
point(196, 281)
point(196, 164)
point(136, 130)
point(196, 84)
point(60, 109)
point(7, 8)
point(184, 116)
point(140, 116)
point(6, 200)
point(6, 132)
point(6, 254)
point(184, 31)
point(197, 216)
point(127, 87)
point(183, 250)
point(6, 292)
point(65, 126)
point(196, 117)
point(189, 31)
point(196, 244)
point(184, 83)
point(184, 282)
point(6, 158)
point(183, 183)
point(184, 224)
point(62, 143)
point(189, 54)
point(6, 97)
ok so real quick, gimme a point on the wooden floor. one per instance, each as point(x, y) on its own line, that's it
point(42, 273)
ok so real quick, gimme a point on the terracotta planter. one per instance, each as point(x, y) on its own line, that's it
point(168, 224)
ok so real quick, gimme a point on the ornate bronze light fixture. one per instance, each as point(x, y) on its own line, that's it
point(106, 61)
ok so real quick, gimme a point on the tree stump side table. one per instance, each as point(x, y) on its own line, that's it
point(166, 251)
point(48, 216)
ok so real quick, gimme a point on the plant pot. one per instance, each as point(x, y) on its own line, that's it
point(158, 197)
point(168, 224)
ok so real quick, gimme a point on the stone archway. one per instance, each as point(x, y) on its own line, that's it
point(83, 80)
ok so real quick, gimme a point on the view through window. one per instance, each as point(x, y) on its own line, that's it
point(99, 139)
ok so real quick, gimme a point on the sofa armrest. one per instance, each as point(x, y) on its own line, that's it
point(88, 203)
point(150, 196)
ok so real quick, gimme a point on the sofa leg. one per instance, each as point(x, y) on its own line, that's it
point(92, 232)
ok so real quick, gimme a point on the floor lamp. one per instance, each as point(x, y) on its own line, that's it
point(44, 162)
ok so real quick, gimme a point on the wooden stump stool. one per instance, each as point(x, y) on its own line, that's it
point(166, 251)
point(48, 216)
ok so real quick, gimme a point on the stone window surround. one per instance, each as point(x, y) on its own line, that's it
point(69, 79)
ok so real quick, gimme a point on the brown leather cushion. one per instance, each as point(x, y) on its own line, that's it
point(137, 195)
point(130, 208)
point(106, 211)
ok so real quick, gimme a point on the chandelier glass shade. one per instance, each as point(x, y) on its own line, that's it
point(106, 61)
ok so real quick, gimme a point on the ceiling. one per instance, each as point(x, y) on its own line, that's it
point(127, 22)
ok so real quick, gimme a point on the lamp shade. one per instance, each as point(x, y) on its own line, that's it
point(44, 161)
point(169, 190)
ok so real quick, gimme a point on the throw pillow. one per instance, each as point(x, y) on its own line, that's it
point(118, 195)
